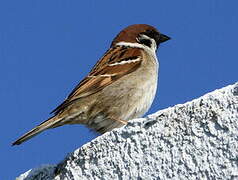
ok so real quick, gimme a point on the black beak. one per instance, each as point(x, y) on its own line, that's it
point(163, 38)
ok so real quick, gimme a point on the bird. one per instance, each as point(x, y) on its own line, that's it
point(121, 86)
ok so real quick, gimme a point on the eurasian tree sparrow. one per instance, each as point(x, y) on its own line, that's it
point(121, 86)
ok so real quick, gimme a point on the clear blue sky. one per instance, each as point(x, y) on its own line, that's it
point(47, 47)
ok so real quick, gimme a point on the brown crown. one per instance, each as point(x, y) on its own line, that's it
point(130, 33)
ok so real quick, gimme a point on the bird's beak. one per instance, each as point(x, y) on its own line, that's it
point(163, 38)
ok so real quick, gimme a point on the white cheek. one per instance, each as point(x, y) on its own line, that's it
point(153, 46)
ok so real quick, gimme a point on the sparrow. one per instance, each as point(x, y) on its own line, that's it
point(121, 86)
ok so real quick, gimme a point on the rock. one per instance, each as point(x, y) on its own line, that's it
point(195, 140)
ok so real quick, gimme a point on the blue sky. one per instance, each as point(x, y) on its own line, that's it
point(47, 47)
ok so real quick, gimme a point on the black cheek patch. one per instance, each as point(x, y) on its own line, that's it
point(146, 42)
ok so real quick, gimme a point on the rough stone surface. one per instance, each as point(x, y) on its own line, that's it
point(45, 172)
point(195, 140)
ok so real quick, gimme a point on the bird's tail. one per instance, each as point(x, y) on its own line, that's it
point(50, 123)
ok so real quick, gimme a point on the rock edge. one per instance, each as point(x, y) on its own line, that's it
point(195, 140)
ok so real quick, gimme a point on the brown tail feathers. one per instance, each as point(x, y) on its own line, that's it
point(50, 123)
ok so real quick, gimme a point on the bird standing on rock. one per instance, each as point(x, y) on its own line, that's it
point(121, 86)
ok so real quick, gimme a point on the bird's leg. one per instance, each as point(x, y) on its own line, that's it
point(119, 120)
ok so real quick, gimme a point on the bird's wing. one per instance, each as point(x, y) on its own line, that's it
point(116, 62)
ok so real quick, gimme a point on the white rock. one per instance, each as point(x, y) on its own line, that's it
point(195, 140)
